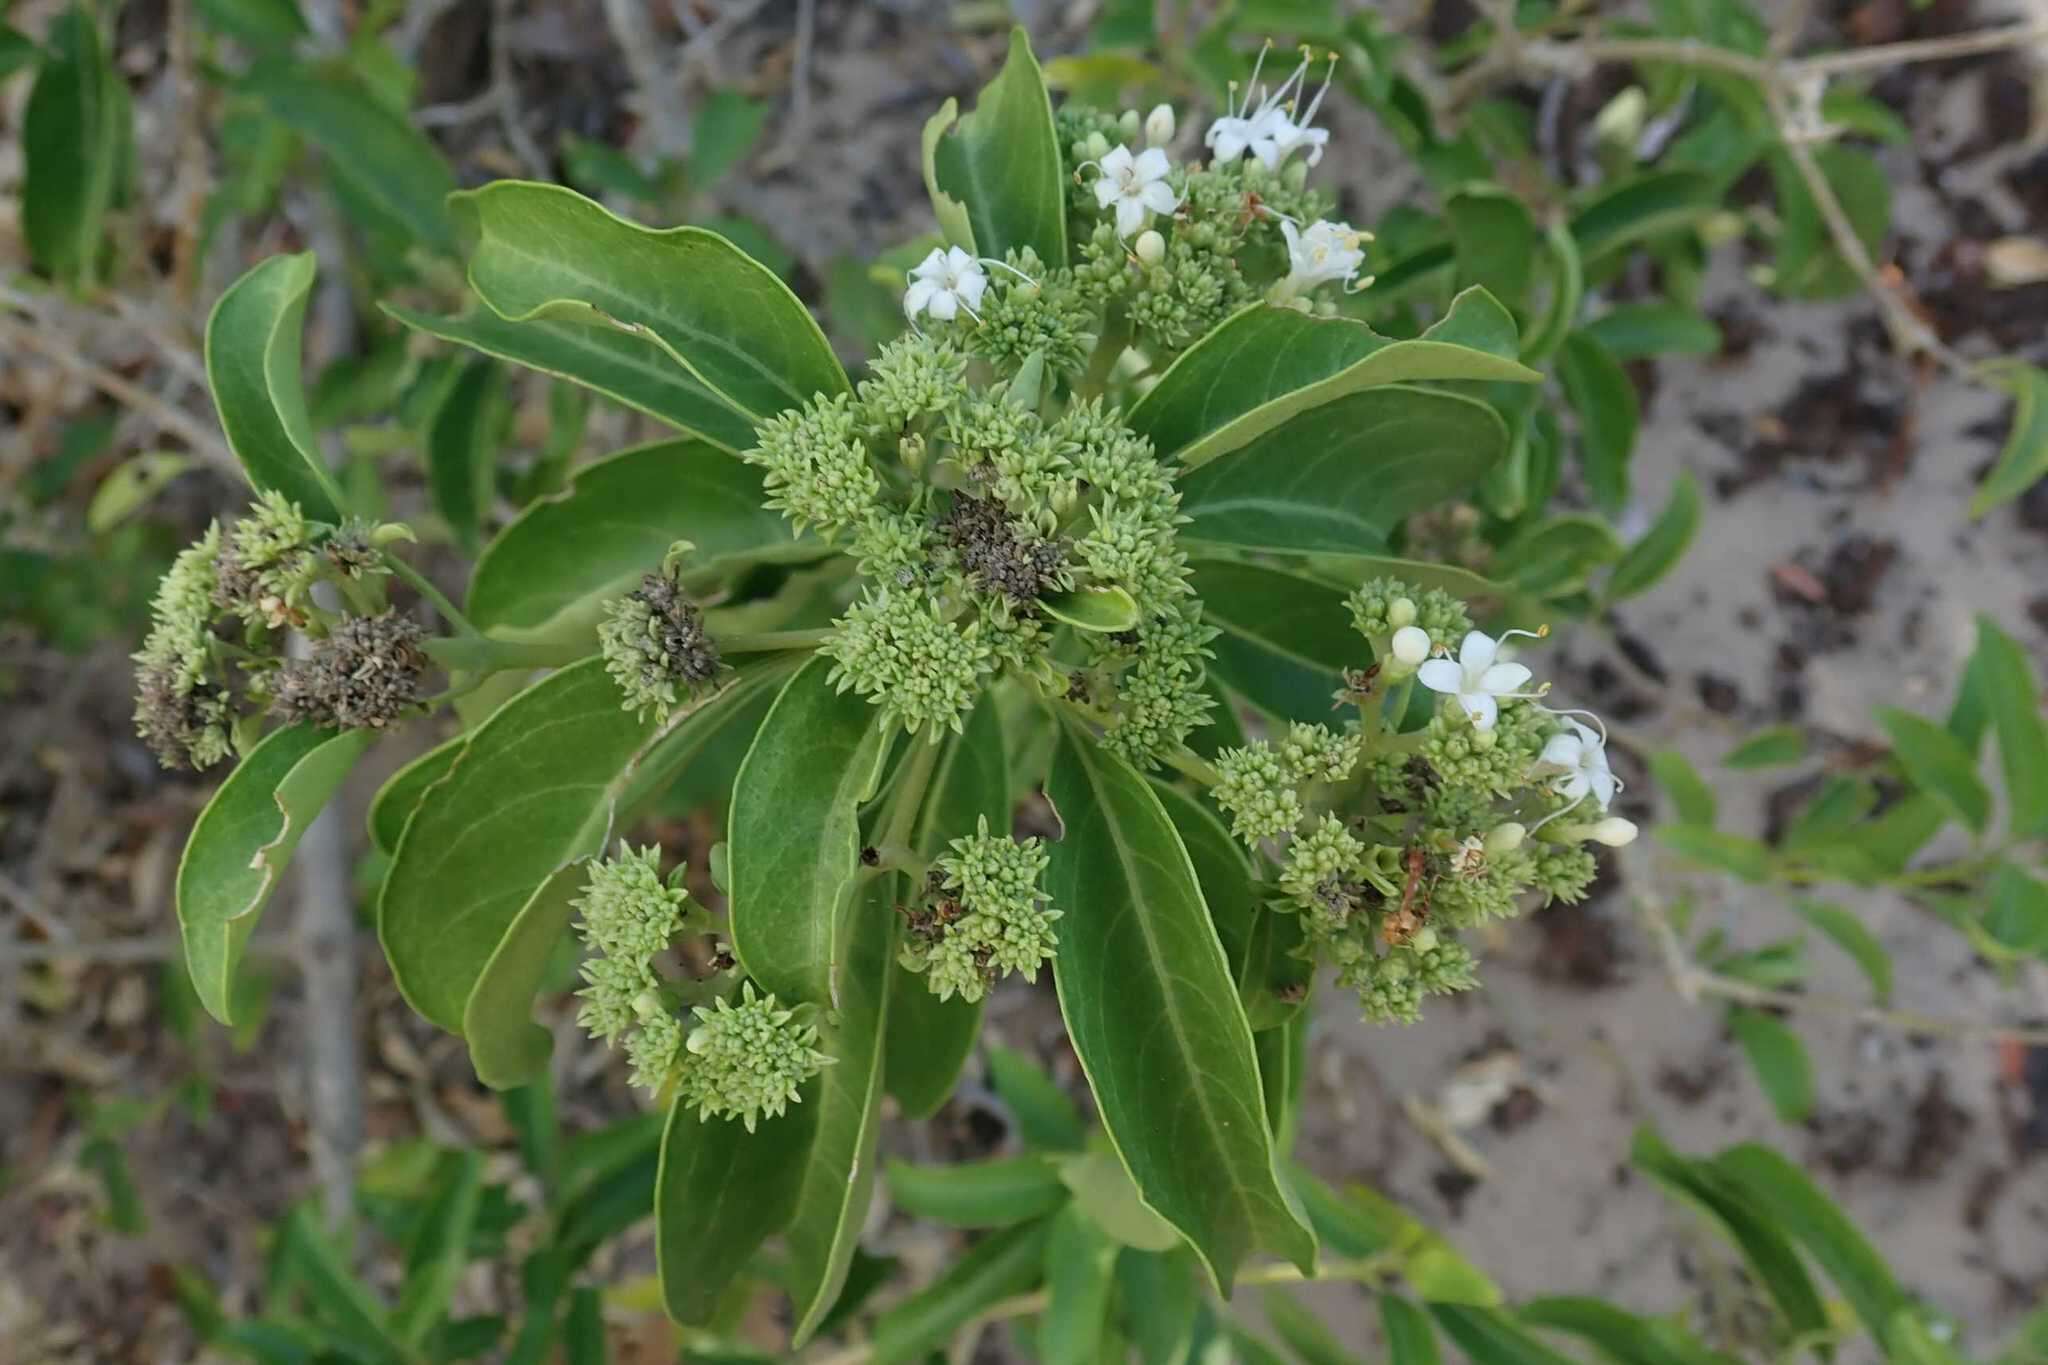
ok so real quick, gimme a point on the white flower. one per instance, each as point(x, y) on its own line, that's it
point(1479, 684)
point(1582, 753)
point(1136, 185)
point(1614, 832)
point(1269, 130)
point(1411, 645)
point(943, 283)
point(1159, 125)
point(1327, 251)
point(1289, 134)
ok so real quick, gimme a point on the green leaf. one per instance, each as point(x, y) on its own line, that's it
point(1267, 365)
point(306, 1256)
point(1302, 1332)
point(1340, 477)
point(439, 1250)
point(1256, 949)
point(1779, 1059)
point(1495, 240)
point(978, 1194)
point(1046, 1119)
point(929, 1038)
point(1102, 1186)
point(77, 144)
point(1557, 557)
point(1808, 265)
point(1002, 164)
point(541, 251)
point(1283, 1057)
point(1005, 1263)
point(1490, 1337)
point(1754, 1229)
point(1641, 208)
point(1646, 562)
point(1601, 393)
point(241, 843)
point(1794, 1203)
point(1691, 798)
point(839, 1175)
point(1622, 1337)
point(1154, 1016)
point(17, 50)
point(252, 366)
point(2024, 461)
point(1359, 1222)
point(1848, 933)
point(1160, 1302)
point(399, 797)
point(583, 1331)
point(2017, 917)
point(1080, 1273)
point(1730, 853)
point(265, 25)
point(506, 1048)
point(2014, 700)
point(1771, 747)
point(1286, 639)
point(547, 573)
point(617, 364)
point(1637, 331)
point(1410, 1338)
point(462, 450)
point(725, 128)
point(1938, 764)
point(533, 791)
point(1567, 294)
point(132, 485)
point(373, 152)
point(1100, 611)
point(793, 844)
point(720, 1193)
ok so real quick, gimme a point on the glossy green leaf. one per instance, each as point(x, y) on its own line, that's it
point(1001, 162)
point(1283, 1061)
point(241, 843)
point(1621, 1337)
point(1559, 556)
point(1154, 1016)
point(439, 1249)
point(373, 152)
point(1601, 393)
point(252, 365)
point(1567, 290)
point(1692, 799)
point(1102, 1186)
point(1340, 477)
point(720, 1192)
point(1267, 365)
point(540, 251)
point(1495, 240)
point(1286, 639)
point(2024, 461)
point(2013, 698)
point(76, 144)
point(1849, 933)
point(617, 364)
point(993, 1193)
point(1638, 331)
point(1307, 1336)
point(549, 571)
point(1257, 940)
point(793, 843)
point(1779, 1060)
point(462, 450)
point(1046, 1119)
point(1794, 1203)
point(1488, 1336)
point(399, 797)
point(1937, 764)
point(838, 1177)
point(506, 1048)
point(1358, 1222)
point(534, 790)
point(1645, 206)
point(1100, 611)
point(1080, 1275)
point(2016, 918)
point(1160, 1299)
point(1000, 1265)
point(1772, 747)
point(1755, 1229)
point(1646, 562)
point(1410, 1338)
point(930, 1039)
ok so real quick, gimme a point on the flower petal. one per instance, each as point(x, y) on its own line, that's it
point(961, 262)
point(1159, 197)
point(1441, 675)
point(1572, 786)
point(1504, 678)
point(1603, 785)
point(1475, 655)
point(1483, 709)
point(1152, 163)
point(1130, 216)
point(1562, 751)
point(1117, 164)
point(971, 288)
point(945, 305)
point(931, 265)
point(1106, 192)
point(917, 296)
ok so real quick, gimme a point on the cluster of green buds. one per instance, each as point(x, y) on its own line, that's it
point(215, 656)
point(655, 645)
point(1391, 844)
point(719, 1046)
point(983, 916)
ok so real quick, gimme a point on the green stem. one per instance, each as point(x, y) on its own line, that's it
point(771, 641)
point(909, 797)
point(1116, 339)
point(450, 613)
point(482, 654)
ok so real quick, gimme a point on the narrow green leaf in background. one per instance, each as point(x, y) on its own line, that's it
point(1286, 639)
point(1771, 747)
point(1004, 1263)
point(76, 143)
point(506, 1048)
point(1692, 799)
point(1645, 206)
point(1558, 556)
point(1002, 163)
point(2024, 461)
point(1410, 1338)
point(1155, 1019)
point(1080, 1274)
point(1160, 1302)
point(1638, 331)
point(1779, 1059)
point(1495, 240)
point(1849, 933)
point(1604, 398)
point(2017, 917)
point(1647, 561)
point(252, 365)
point(1303, 1333)
point(399, 797)
point(462, 450)
point(1102, 1185)
point(1046, 1119)
point(2013, 698)
point(992, 1193)
point(1488, 1336)
point(1938, 764)
point(793, 835)
point(439, 1249)
point(241, 843)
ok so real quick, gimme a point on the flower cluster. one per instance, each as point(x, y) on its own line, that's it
point(983, 917)
point(215, 656)
point(1391, 843)
point(655, 646)
point(742, 1061)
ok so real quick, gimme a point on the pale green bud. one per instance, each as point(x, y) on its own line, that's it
point(1151, 247)
point(1159, 125)
point(1128, 123)
point(1401, 612)
point(1505, 838)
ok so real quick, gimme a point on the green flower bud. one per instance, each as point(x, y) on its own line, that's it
point(748, 1061)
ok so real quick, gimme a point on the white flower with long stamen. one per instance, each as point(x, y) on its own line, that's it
point(1326, 251)
point(1289, 134)
point(1136, 185)
point(1244, 128)
point(1581, 752)
point(1479, 684)
point(944, 283)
